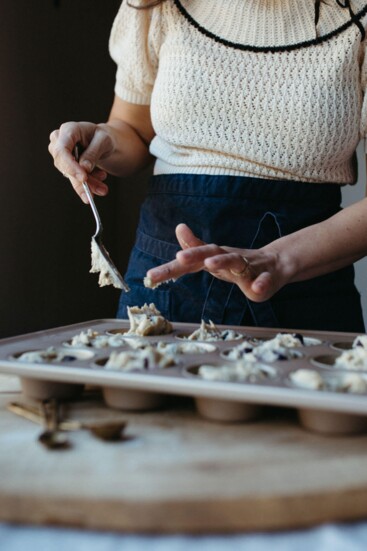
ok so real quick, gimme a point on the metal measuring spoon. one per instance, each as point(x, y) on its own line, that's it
point(110, 431)
point(52, 437)
point(107, 430)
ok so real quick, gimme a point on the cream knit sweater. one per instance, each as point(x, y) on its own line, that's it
point(232, 93)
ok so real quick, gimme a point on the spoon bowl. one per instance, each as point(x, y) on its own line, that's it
point(110, 431)
point(54, 439)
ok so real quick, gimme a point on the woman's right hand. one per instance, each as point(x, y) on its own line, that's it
point(96, 141)
point(119, 147)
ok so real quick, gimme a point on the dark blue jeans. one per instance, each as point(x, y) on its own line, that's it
point(238, 212)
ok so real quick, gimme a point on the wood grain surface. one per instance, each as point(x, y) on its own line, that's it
point(176, 472)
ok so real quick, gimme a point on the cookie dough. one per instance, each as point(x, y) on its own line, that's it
point(240, 371)
point(147, 320)
point(352, 359)
point(210, 332)
point(267, 351)
point(139, 360)
point(184, 348)
point(149, 283)
point(361, 341)
point(243, 350)
point(97, 340)
point(274, 350)
point(101, 266)
point(353, 382)
point(307, 378)
point(295, 340)
point(48, 355)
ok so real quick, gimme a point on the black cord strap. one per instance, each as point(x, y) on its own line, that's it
point(344, 5)
point(272, 49)
point(356, 21)
point(317, 11)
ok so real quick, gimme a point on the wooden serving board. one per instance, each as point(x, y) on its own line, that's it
point(179, 473)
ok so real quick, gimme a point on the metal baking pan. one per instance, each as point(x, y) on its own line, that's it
point(327, 412)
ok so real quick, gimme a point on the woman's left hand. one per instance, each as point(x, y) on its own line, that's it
point(255, 271)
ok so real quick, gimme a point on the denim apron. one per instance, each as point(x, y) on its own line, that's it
point(238, 212)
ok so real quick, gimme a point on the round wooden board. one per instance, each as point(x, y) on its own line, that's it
point(177, 472)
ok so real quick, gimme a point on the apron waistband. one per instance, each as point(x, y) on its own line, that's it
point(243, 187)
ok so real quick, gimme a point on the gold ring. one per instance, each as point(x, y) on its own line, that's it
point(245, 270)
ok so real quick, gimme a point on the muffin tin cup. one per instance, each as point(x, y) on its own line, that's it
point(324, 361)
point(38, 389)
point(294, 355)
point(43, 389)
point(70, 354)
point(221, 401)
point(341, 346)
point(184, 336)
point(132, 400)
point(332, 423)
point(327, 361)
point(227, 411)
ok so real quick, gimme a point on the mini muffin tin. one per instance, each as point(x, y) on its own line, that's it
point(324, 411)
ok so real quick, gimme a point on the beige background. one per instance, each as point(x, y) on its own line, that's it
point(55, 66)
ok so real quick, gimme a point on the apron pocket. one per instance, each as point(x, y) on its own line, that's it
point(147, 253)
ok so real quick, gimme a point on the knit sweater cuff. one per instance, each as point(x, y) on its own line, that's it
point(132, 96)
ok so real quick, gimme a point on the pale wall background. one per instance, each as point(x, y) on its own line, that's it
point(351, 194)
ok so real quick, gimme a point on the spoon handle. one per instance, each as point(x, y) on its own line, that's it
point(33, 414)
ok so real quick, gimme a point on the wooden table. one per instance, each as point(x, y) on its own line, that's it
point(179, 473)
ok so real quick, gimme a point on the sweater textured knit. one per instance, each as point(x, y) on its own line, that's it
point(247, 87)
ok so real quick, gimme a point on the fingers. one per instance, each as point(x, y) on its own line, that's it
point(188, 261)
point(182, 265)
point(96, 143)
point(61, 147)
point(254, 272)
point(96, 184)
point(193, 260)
point(170, 270)
point(197, 256)
point(99, 147)
point(186, 238)
point(243, 267)
point(251, 275)
point(99, 174)
point(195, 253)
point(236, 264)
point(228, 266)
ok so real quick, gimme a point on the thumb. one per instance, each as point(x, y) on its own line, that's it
point(99, 147)
point(88, 164)
point(263, 287)
point(83, 159)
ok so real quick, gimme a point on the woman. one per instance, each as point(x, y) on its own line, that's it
point(253, 111)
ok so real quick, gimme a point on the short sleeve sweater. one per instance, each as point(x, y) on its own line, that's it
point(251, 88)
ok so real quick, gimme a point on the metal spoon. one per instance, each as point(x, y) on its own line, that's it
point(105, 430)
point(52, 437)
point(101, 260)
point(110, 431)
